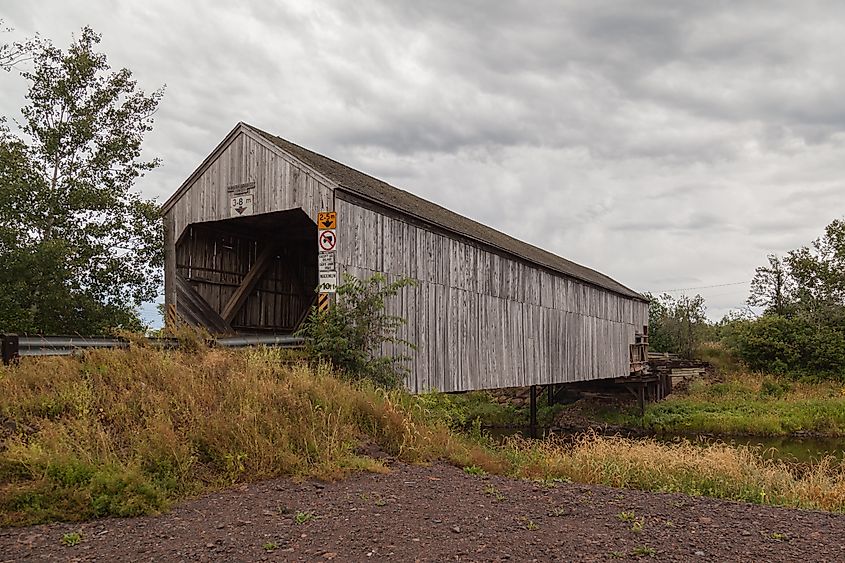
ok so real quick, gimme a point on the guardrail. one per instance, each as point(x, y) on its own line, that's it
point(15, 347)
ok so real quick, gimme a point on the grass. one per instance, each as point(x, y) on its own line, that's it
point(477, 409)
point(715, 470)
point(123, 433)
point(128, 432)
point(643, 551)
point(71, 539)
point(745, 404)
point(303, 517)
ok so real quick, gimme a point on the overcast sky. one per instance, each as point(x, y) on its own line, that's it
point(670, 145)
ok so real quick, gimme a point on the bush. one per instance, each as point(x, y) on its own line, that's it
point(795, 346)
point(353, 334)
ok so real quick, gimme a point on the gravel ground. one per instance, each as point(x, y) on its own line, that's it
point(439, 513)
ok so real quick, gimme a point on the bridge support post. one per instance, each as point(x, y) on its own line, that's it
point(641, 399)
point(532, 410)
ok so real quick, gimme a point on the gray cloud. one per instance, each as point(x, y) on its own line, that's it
point(672, 144)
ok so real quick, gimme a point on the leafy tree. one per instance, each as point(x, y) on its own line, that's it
point(80, 251)
point(818, 273)
point(355, 332)
point(802, 330)
point(13, 53)
point(772, 287)
point(676, 325)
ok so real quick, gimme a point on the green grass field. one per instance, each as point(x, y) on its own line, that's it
point(745, 404)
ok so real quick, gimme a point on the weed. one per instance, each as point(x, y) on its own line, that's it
point(494, 492)
point(637, 525)
point(71, 539)
point(270, 546)
point(714, 470)
point(303, 517)
point(643, 551)
point(669, 524)
point(528, 524)
point(474, 470)
point(552, 482)
point(616, 555)
point(559, 511)
point(626, 516)
point(777, 536)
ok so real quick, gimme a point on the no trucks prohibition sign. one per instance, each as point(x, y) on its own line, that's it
point(327, 240)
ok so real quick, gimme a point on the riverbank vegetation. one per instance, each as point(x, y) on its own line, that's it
point(743, 403)
point(794, 325)
point(128, 432)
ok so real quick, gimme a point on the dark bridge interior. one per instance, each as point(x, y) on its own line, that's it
point(247, 274)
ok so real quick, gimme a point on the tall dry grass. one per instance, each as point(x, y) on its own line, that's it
point(715, 470)
point(125, 432)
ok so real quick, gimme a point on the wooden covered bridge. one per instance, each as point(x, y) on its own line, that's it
point(488, 311)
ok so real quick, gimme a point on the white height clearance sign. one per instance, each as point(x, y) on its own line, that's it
point(326, 251)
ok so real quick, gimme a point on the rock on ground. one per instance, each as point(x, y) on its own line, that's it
point(439, 513)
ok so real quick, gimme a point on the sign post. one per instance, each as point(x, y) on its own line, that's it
point(326, 257)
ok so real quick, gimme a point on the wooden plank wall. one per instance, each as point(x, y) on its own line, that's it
point(481, 320)
point(215, 264)
point(280, 183)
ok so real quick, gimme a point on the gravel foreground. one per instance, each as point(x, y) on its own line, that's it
point(439, 513)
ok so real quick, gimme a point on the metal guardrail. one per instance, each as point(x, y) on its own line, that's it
point(14, 346)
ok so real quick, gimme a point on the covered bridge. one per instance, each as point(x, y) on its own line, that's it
point(488, 310)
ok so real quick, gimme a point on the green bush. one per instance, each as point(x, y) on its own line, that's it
point(353, 334)
point(794, 346)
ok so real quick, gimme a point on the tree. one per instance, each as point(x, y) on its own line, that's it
point(818, 273)
point(676, 325)
point(13, 53)
point(79, 249)
point(802, 330)
point(772, 287)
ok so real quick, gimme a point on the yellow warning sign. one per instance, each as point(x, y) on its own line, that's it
point(323, 301)
point(327, 220)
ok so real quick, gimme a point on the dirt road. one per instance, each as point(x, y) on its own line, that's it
point(439, 513)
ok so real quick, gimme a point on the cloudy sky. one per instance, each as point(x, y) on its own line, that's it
point(671, 145)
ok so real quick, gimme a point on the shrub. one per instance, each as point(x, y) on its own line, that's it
point(797, 346)
point(354, 334)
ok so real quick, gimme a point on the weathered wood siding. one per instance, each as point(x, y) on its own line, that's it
point(215, 264)
point(482, 320)
point(280, 183)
